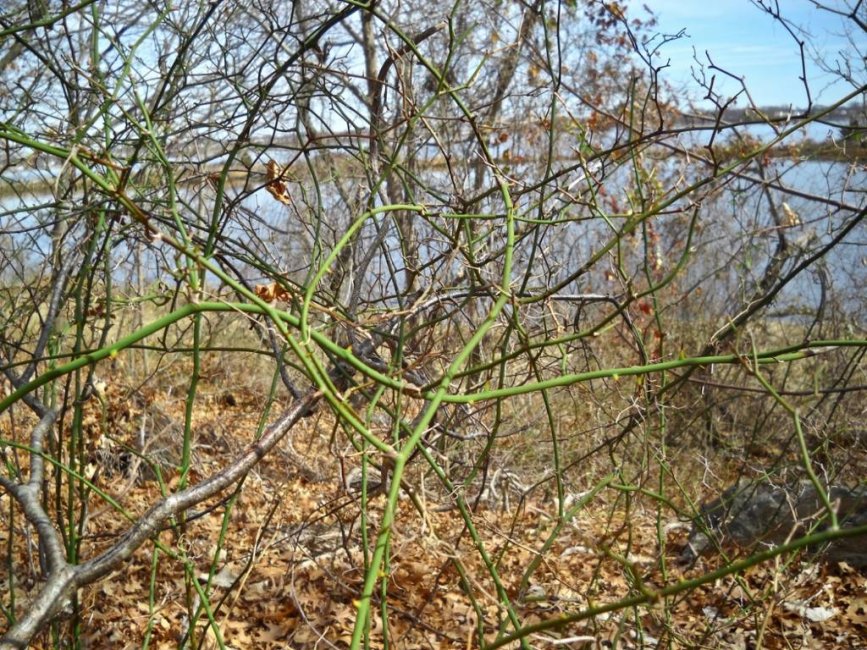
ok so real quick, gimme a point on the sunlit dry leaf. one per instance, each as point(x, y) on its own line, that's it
point(792, 218)
point(272, 292)
point(275, 186)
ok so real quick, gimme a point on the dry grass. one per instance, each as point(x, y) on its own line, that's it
point(292, 560)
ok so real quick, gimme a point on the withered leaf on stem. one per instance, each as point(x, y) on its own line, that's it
point(276, 187)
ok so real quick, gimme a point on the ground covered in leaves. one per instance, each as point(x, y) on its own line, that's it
point(280, 562)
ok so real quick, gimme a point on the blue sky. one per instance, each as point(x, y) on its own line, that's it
point(747, 42)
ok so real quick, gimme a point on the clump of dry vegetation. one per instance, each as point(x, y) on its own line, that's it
point(363, 327)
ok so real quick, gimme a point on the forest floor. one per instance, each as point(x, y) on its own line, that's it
point(282, 561)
